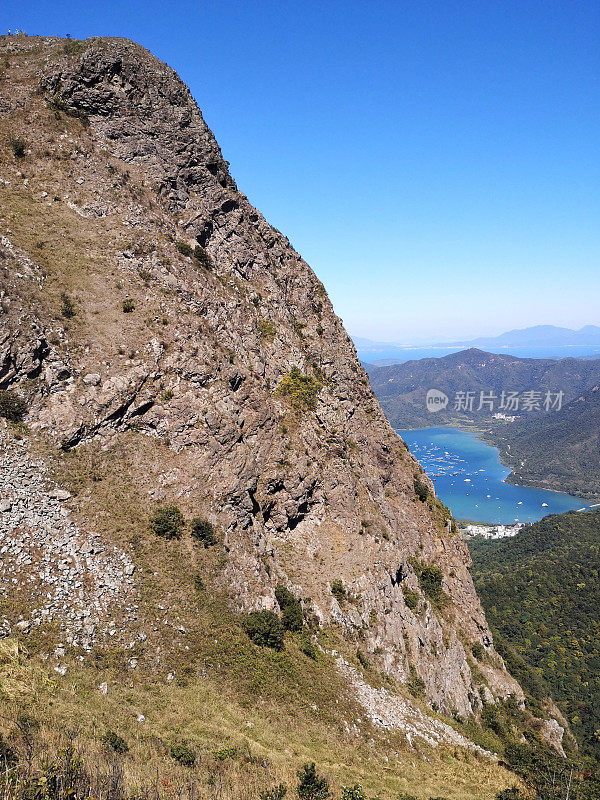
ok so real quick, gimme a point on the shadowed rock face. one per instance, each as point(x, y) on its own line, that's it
point(121, 161)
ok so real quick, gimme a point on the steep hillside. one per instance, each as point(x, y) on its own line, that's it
point(541, 593)
point(401, 388)
point(190, 437)
point(559, 450)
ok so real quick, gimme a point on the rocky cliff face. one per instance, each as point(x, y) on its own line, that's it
point(142, 293)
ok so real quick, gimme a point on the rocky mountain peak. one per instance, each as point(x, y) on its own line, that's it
point(150, 315)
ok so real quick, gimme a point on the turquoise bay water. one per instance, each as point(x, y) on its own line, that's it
point(469, 478)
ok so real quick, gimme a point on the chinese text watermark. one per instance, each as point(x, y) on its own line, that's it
point(507, 401)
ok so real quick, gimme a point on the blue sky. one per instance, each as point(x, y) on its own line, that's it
point(436, 163)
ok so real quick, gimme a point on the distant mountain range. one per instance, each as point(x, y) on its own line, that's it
point(539, 341)
point(557, 449)
point(541, 336)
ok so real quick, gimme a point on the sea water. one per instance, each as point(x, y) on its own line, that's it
point(470, 479)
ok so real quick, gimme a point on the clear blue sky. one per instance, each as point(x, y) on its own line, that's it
point(437, 163)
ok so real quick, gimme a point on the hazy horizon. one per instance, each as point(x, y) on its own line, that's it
point(432, 340)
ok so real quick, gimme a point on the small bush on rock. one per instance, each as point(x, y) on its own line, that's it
point(265, 629)
point(307, 646)
point(411, 598)
point(478, 651)
point(12, 406)
point(291, 609)
point(198, 583)
point(339, 591)
point(128, 305)
point(225, 753)
point(184, 248)
point(18, 147)
point(353, 792)
point(430, 579)
point(203, 531)
point(301, 390)
point(266, 329)
point(362, 659)
point(421, 489)
point(167, 521)
point(202, 257)
point(416, 684)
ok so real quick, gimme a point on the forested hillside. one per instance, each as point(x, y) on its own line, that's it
point(560, 450)
point(401, 388)
point(541, 594)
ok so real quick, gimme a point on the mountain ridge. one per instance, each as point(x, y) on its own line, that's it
point(532, 336)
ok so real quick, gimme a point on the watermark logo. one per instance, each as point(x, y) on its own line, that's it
point(436, 400)
point(531, 400)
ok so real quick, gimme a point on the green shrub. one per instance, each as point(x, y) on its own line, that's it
point(311, 785)
point(492, 718)
point(67, 309)
point(291, 609)
point(128, 305)
point(307, 646)
point(411, 597)
point(184, 754)
point(421, 489)
point(203, 531)
point(184, 248)
point(430, 579)
point(202, 257)
point(275, 793)
point(73, 47)
point(267, 330)
point(12, 406)
point(18, 147)
point(362, 659)
point(225, 752)
point(478, 651)
point(301, 390)
point(114, 742)
point(339, 591)
point(167, 521)
point(265, 629)
point(405, 796)
point(353, 792)
point(416, 684)
point(198, 583)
